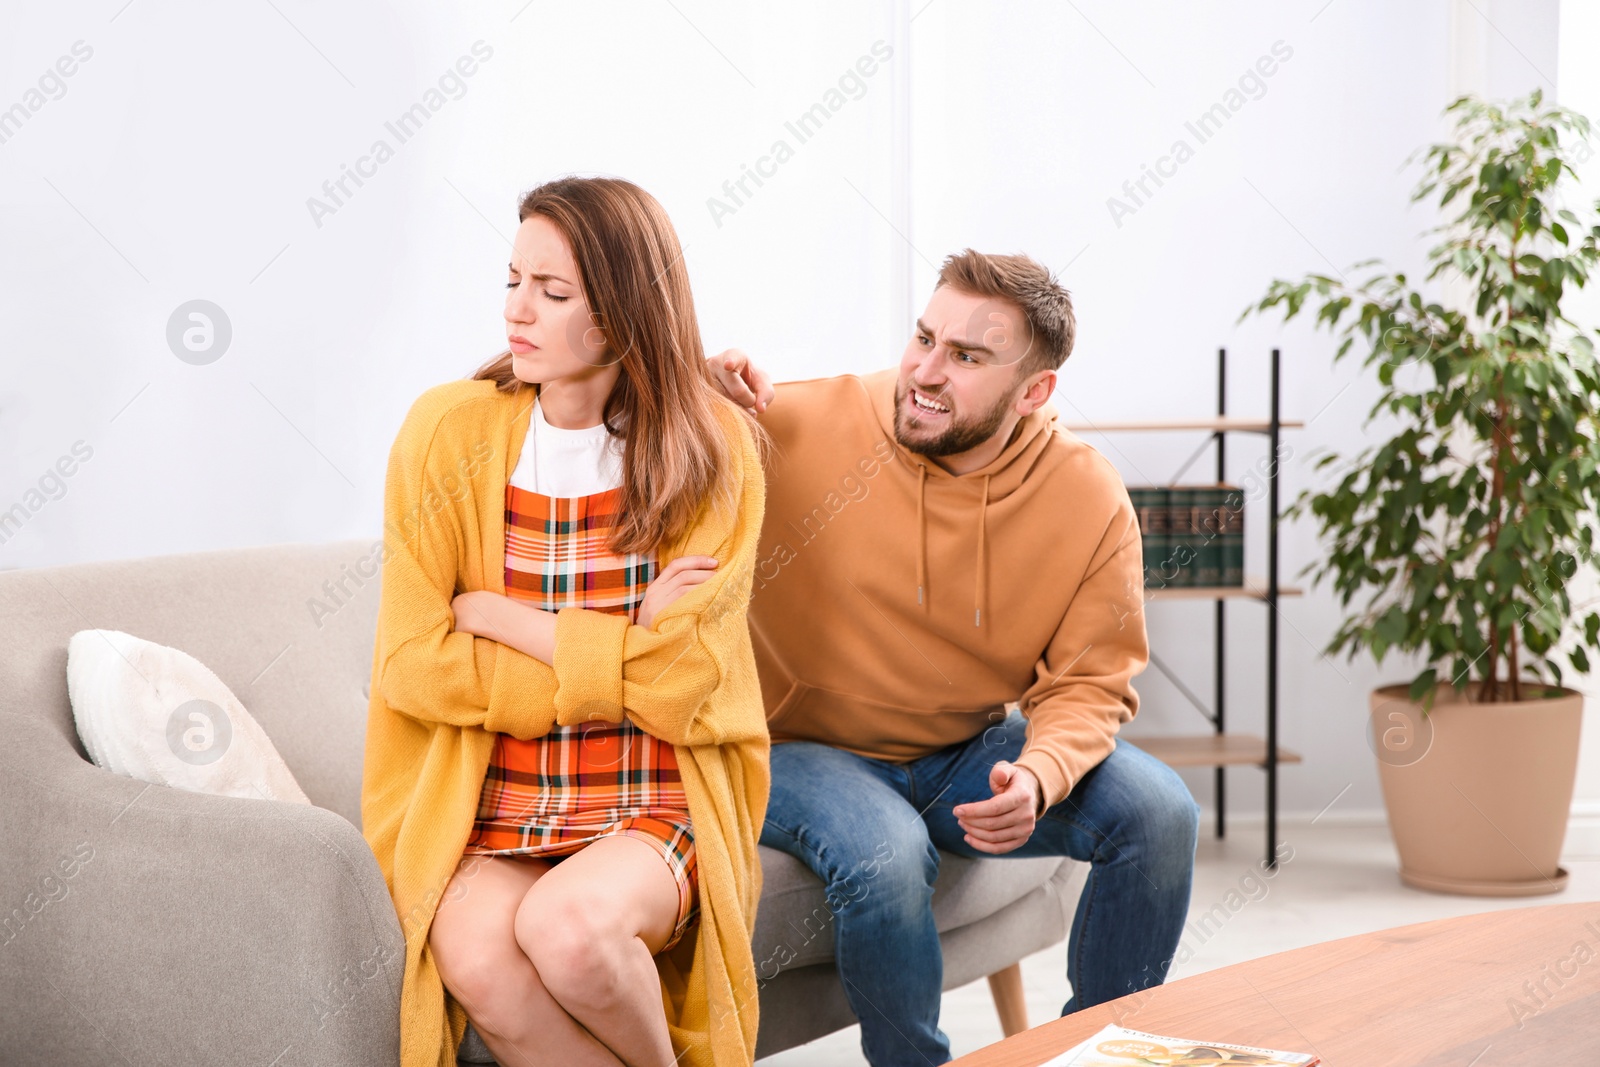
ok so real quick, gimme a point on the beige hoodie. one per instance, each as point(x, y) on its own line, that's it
point(898, 608)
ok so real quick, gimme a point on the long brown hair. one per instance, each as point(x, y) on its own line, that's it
point(663, 406)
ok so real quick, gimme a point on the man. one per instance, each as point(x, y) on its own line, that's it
point(936, 547)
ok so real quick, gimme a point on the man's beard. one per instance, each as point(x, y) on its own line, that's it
point(960, 436)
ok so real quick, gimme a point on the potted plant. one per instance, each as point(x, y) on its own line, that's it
point(1470, 522)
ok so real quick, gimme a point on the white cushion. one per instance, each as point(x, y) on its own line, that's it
point(159, 715)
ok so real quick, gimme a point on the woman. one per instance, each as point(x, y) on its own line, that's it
point(566, 764)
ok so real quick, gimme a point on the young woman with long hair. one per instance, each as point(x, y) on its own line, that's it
point(566, 767)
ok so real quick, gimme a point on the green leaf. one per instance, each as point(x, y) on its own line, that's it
point(1479, 490)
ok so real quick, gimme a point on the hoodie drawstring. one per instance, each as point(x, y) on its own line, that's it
point(982, 585)
point(922, 534)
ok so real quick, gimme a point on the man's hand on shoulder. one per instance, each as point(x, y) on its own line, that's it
point(1004, 821)
point(741, 380)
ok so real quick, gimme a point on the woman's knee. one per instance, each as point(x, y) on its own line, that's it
point(481, 974)
point(578, 948)
point(471, 938)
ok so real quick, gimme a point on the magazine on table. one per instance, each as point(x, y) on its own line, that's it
point(1117, 1046)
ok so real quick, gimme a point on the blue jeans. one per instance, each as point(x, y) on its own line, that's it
point(871, 830)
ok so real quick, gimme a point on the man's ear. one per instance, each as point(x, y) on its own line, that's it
point(1037, 393)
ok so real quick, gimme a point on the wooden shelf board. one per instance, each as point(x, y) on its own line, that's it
point(1254, 588)
point(1212, 750)
point(1217, 422)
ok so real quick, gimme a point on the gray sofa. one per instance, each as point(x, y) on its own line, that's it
point(144, 924)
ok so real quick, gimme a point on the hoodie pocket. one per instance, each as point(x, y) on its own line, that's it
point(785, 707)
point(888, 731)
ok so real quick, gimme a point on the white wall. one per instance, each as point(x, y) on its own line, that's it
point(1578, 81)
point(178, 163)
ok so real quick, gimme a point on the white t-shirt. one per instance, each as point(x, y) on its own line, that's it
point(567, 463)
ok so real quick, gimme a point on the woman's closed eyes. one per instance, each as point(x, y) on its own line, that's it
point(548, 293)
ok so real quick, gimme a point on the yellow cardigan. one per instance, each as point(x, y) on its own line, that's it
point(439, 697)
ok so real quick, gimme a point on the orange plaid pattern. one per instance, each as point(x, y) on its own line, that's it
point(552, 795)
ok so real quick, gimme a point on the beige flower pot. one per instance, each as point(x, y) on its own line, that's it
point(1478, 794)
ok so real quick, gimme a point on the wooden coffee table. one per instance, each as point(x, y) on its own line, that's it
point(1433, 994)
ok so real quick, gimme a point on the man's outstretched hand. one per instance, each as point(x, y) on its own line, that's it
point(741, 380)
point(1005, 820)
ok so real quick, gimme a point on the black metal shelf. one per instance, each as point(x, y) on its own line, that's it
point(1221, 749)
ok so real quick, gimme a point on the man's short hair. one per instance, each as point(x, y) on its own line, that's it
point(1046, 307)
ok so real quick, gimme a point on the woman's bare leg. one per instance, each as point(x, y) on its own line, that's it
point(591, 927)
point(483, 967)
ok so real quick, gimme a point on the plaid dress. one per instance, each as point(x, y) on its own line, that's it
point(550, 796)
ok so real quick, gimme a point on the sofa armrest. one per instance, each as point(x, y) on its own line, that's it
point(145, 924)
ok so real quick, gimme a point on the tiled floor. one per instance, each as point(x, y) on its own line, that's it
point(1339, 880)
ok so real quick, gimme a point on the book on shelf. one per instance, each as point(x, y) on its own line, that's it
point(1117, 1046)
point(1193, 535)
point(1149, 506)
